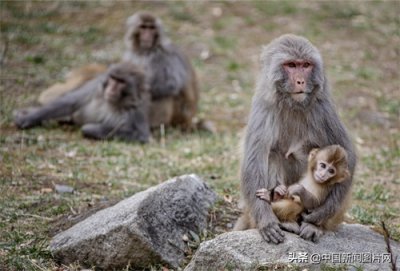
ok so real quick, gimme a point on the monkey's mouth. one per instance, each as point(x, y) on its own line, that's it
point(318, 178)
point(299, 96)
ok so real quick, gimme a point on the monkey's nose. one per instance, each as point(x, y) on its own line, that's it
point(300, 82)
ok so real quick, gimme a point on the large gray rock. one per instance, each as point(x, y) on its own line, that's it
point(245, 250)
point(142, 230)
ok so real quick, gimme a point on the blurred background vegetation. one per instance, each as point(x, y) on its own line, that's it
point(42, 40)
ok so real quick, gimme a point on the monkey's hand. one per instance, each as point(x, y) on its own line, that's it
point(23, 118)
point(281, 190)
point(264, 194)
point(310, 232)
point(271, 231)
point(268, 224)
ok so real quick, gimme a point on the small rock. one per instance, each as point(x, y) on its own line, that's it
point(60, 188)
point(207, 126)
point(46, 190)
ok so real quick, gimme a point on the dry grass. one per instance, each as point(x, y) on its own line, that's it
point(358, 40)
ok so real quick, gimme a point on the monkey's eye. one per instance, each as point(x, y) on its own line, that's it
point(150, 27)
point(291, 65)
point(322, 165)
point(331, 171)
point(306, 65)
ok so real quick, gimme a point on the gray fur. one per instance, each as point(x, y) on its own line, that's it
point(167, 65)
point(308, 200)
point(125, 119)
point(277, 122)
point(173, 85)
point(133, 22)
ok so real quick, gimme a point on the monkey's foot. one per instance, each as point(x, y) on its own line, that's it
point(24, 118)
point(310, 232)
point(290, 227)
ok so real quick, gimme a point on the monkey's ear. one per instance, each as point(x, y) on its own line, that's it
point(296, 199)
point(313, 153)
point(133, 19)
point(345, 175)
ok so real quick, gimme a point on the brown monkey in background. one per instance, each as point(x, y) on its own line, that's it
point(113, 105)
point(291, 105)
point(74, 79)
point(326, 167)
point(173, 86)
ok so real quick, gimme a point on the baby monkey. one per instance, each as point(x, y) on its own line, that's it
point(326, 167)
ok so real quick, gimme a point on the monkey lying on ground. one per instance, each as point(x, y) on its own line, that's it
point(114, 105)
point(292, 104)
point(326, 167)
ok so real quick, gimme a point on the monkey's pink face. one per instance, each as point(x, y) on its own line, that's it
point(299, 72)
point(147, 35)
point(324, 171)
point(113, 90)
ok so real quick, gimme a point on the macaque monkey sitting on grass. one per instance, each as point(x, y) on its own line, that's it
point(326, 167)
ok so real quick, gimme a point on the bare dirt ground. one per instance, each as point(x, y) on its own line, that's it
point(41, 41)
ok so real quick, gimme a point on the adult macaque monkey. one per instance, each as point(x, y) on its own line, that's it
point(114, 105)
point(292, 104)
point(326, 167)
point(173, 85)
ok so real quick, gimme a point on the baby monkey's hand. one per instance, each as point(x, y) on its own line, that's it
point(264, 194)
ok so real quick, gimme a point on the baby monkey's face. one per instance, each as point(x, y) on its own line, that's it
point(324, 171)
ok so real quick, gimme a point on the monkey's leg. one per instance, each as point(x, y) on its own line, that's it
point(243, 223)
point(96, 131)
point(23, 119)
point(101, 132)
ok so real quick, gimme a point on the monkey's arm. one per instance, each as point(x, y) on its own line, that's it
point(258, 171)
point(169, 76)
point(60, 107)
point(331, 205)
point(134, 127)
point(308, 200)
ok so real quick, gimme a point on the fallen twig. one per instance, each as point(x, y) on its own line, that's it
point(389, 248)
point(4, 53)
point(38, 216)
